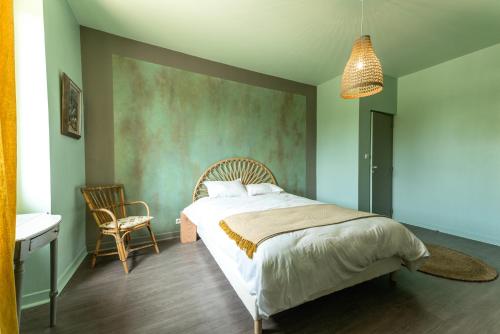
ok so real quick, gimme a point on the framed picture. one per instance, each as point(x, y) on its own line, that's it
point(71, 107)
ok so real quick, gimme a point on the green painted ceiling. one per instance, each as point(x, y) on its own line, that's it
point(302, 40)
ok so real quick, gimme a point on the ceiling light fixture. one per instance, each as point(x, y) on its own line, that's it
point(363, 74)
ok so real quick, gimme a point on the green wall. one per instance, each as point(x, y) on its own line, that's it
point(67, 157)
point(447, 147)
point(343, 139)
point(171, 124)
point(337, 146)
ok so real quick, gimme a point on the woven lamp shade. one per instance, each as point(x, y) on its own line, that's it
point(363, 73)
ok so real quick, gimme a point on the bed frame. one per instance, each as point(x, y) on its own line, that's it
point(251, 171)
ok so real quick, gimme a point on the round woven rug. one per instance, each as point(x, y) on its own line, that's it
point(451, 264)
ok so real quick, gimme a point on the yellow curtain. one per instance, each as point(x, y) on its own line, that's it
point(8, 317)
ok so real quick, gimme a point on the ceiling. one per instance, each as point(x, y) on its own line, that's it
point(303, 40)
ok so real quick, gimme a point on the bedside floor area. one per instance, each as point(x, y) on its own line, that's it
point(182, 290)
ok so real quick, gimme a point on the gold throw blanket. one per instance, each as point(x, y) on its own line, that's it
point(249, 229)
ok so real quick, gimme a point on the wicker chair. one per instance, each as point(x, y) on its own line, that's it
point(108, 207)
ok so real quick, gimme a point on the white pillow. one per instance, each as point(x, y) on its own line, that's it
point(225, 188)
point(262, 188)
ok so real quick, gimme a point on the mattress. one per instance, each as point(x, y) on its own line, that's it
point(291, 268)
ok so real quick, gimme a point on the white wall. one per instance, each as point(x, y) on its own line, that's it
point(33, 150)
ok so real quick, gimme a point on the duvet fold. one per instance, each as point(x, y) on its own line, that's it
point(249, 229)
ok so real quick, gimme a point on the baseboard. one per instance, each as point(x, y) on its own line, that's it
point(71, 269)
point(42, 296)
point(459, 233)
point(110, 244)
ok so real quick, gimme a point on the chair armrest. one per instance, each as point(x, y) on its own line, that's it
point(139, 202)
point(109, 213)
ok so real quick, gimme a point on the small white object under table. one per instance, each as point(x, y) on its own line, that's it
point(34, 231)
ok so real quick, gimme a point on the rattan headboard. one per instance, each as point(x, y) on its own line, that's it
point(248, 170)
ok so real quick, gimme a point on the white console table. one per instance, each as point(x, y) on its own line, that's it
point(34, 231)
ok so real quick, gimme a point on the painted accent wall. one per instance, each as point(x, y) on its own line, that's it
point(171, 124)
point(67, 158)
point(337, 146)
point(156, 118)
point(447, 147)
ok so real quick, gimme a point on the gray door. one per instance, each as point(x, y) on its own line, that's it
point(382, 126)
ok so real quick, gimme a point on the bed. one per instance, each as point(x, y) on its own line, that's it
point(295, 267)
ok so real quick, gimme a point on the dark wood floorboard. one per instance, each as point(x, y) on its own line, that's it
point(182, 290)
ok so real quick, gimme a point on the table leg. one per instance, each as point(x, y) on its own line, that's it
point(53, 281)
point(18, 276)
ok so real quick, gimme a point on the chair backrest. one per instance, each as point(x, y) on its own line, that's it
point(110, 197)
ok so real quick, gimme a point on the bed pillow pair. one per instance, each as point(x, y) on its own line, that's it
point(262, 188)
point(236, 188)
point(225, 188)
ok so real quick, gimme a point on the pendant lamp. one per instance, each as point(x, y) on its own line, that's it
point(363, 74)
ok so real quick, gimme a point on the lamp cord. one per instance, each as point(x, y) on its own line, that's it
point(362, 16)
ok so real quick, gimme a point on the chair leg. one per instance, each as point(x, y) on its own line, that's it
point(153, 238)
point(122, 252)
point(125, 266)
point(257, 326)
point(96, 253)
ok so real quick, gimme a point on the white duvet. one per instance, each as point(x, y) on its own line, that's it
point(288, 269)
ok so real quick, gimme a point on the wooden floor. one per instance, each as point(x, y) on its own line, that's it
point(182, 290)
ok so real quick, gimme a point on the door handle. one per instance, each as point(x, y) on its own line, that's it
point(374, 168)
